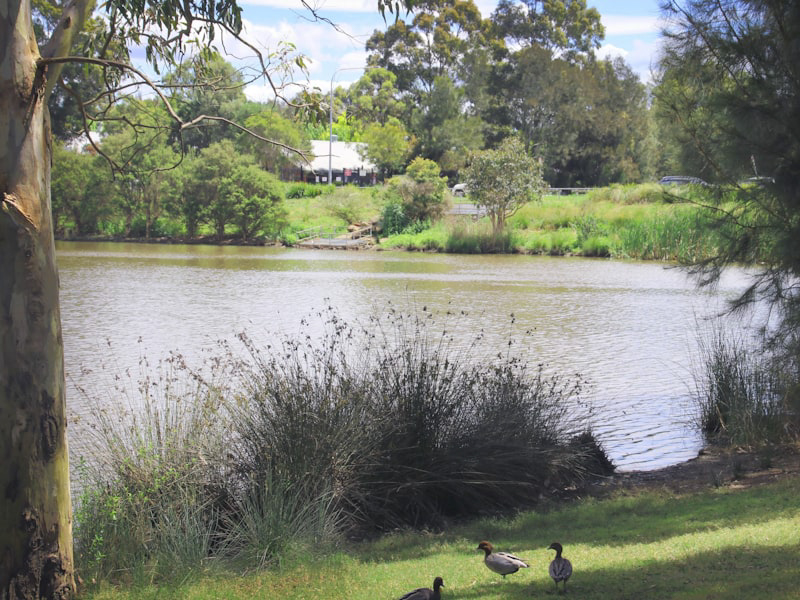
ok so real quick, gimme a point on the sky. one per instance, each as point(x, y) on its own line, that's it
point(339, 56)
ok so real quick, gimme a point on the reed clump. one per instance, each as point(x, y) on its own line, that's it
point(357, 429)
point(478, 238)
point(745, 395)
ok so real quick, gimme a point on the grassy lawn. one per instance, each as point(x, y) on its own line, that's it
point(721, 543)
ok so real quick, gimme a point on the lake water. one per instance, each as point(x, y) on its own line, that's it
point(629, 328)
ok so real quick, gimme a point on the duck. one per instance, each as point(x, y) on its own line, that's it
point(501, 562)
point(560, 567)
point(426, 593)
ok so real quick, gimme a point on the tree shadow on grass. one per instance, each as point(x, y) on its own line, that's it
point(643, 518)
point(727, 574)
point(636, 519)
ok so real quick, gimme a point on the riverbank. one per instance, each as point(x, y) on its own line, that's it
point(712, 468)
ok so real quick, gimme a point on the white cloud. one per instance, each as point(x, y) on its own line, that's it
point(639, 57)
point(486, 7)
point(323, 48)
point(630, 25)
point(642, 57)
point(262, 92)
point(611, 51)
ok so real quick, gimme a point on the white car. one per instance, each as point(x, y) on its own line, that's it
point(460, 189)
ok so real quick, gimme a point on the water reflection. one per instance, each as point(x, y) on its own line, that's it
point(629, 328)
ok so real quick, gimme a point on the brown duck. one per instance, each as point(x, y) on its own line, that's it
point(501, 562)
point(426, 593)
point(560, 567)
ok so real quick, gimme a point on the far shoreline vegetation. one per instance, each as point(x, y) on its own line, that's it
point(635, 221)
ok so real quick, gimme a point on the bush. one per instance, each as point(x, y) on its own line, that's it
point(599, 246)
point(393, 217)
point(406, 429)
point(288, 238)
point(151, 501)
point(421, 193)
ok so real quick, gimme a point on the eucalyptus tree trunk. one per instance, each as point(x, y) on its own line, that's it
point(36, 559)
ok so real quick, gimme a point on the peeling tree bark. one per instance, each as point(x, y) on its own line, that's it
point(36, 559)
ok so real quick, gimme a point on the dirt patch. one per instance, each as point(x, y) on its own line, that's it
point(714, 467)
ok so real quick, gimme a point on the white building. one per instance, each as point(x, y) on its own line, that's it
point(343, 160)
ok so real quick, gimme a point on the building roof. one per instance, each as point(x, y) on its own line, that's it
point(344, 155)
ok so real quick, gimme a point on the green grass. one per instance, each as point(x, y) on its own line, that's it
point(634, 221)
point(721, 543)
point(335, 206)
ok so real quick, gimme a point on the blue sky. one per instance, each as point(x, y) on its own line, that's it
point(631, 31)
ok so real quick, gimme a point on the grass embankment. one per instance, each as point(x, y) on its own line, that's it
point(635, 221)
point(720, 543)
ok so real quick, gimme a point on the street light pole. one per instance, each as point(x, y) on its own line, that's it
point(330, 132)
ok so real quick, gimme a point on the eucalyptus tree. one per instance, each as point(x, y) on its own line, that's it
point(80, 86)
point(147, 182)
point(611, 128)
point(221, 94)
point(272, 125)
point(387, 145)
point(36, 555)
point(375, 98)
point(729, 86)
point(256, 198)
point(442, 125)
point(435, 44)
point(80, 191)
point(567, 28)
point(588, 122)
point(207, 183)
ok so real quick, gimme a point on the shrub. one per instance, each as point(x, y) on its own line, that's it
point(393, 217)
point(599, 246)
point(150, 503)
point(421, 193)
point(287, 238)
point(406, 429)
point(303, 190)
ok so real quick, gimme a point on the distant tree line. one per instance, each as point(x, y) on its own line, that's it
point(444, 83)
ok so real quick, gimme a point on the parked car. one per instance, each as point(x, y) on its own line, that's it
point(681, 180)
point(760, 180)
point(460, 189)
